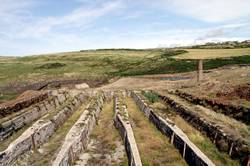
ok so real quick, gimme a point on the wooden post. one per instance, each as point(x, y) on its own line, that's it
point(231, 149)
point(172, 138)
point(184, 150)
point(199, 70)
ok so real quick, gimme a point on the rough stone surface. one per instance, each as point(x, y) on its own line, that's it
point(77, 138)
point(11, 125)
point(82, 86)
point(38, 133)
point(122, 124)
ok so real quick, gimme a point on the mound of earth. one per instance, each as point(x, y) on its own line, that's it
point(240, 91)
point(23, 101)
point(25, 95)
point(51, 66)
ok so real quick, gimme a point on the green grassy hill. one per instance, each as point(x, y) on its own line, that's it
point(102, 64)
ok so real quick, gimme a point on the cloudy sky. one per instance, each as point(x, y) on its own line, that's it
point(41, 26)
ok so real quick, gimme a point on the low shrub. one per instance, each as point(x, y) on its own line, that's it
point(151, 96)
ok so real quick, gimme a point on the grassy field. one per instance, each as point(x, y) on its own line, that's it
point(105, 64)
point(213, 53)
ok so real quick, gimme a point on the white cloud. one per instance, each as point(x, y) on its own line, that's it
point(221, 31)
point(209, 10)
point(30, 34)
point(12, 5)
point(23, 32)
point(181, 37)
point(18, 26)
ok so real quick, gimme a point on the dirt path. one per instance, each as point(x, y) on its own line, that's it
point(105, 147)
point(154, 148)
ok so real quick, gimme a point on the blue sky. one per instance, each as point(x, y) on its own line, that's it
point(30, 27)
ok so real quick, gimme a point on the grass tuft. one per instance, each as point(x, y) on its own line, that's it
point(151, 96)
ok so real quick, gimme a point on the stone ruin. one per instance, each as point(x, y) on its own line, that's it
point(45, 115)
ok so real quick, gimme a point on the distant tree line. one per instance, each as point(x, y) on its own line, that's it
point(223, 45)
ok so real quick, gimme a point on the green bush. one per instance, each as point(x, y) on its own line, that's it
point(151, 96)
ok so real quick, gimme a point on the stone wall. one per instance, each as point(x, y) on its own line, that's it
point(234, 147)
point(238, 112)
point(6, 109)
point(77, 139)
point(121, 122)
point(39, 132)
point(178, 138)
point(24, 117)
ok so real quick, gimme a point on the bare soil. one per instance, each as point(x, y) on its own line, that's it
point(231, 83)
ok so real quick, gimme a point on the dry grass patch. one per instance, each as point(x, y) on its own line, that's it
point(202, 142)
point(213, 53)
point(108, 139)
point(105, 130)
point(236, 129)
point(154, 148)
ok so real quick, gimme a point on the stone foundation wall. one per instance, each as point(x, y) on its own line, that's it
point(6, 109)
point(122, 124)
point(238, 112)
point(178, 138)
point(11, 125)
point(77, 139)
point(235, 148)
point(38, 133)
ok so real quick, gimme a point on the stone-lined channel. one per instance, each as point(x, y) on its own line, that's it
point(154, 148)
point(105, 146)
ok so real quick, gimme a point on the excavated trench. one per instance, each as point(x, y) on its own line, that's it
point(105, 146)
point(238, 112)
point(154, 148)
point(14, 122)
point(200, 140)
point(12, 127)
point(47, 152)
point(121, 128)
point(229, 135)
point(40, 131)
